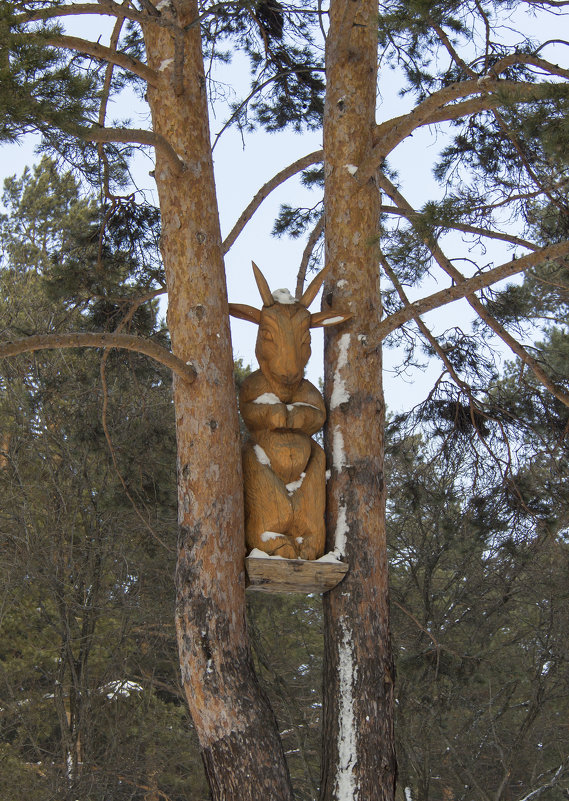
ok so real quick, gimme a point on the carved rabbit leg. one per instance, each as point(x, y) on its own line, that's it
point(268, 508)
point(308, 503)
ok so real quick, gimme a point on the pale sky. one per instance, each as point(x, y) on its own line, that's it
point(243, 166)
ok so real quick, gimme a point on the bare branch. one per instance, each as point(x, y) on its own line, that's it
point(439, 107)
point(453, 53)
point(467, 229)
point(528, 58)
point(553, 781)
point(315, 235)
point(481, 280)
point(103, 53)
point(552, 3)
point(422, 327)
point(265, 191)
point(77, 9)
point(94, 340)
point(105, 94)
point(467, 286)
point(136, 136)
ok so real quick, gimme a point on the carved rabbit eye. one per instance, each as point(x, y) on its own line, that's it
point(267, 336)
point(306, 338)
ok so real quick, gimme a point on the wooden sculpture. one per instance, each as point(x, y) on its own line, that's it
point(284, 469)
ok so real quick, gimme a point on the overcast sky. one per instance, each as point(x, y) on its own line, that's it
point(243, 165)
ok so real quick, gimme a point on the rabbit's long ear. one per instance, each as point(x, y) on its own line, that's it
point(326, 318)
point(312, 289)
point(245, 312)
point(266, 294)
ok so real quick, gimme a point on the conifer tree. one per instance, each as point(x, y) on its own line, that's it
point(90, 695)
point(505, 98)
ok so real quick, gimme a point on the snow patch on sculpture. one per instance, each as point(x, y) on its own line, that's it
point(267, 397)
point(331, 556)
point(261, 455)
point(283, 296)
point(346, 785)
point(257, 553)
point(295, 485)
point(334, 320)
point(266, 536)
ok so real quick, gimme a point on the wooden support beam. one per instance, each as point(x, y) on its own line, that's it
point(270, 574)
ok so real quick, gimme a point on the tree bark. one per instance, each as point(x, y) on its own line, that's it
point(358, 742)
point(241, 749)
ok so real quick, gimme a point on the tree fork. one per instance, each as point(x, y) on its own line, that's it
point(358, 749)
point(242, 752)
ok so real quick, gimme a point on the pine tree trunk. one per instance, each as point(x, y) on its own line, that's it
point(358, 757)
point(242, 753)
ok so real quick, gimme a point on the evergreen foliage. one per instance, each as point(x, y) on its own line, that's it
point(91, 703)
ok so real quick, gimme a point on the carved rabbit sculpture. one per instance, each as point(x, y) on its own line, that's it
point(284, 470)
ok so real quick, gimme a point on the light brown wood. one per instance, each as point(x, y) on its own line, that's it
point(283, 468)
point(293, 575)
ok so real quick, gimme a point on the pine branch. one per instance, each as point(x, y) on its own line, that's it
point(264, 192)
point(93, 340)
point(467, 286)
point(109, 9)
point(480, 281)
point(315, 235)
point(467, 229)
point(105, 95)
point(256, 89)
point(136, 136)
point(440, 107)
point(528, 58)
point(422, 327)
point(103, 53)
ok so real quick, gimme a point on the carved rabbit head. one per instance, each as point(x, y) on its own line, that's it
point(283, 341)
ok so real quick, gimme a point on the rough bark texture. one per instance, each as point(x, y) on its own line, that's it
point(292, 575)
point(358, 757)
point(242, 753)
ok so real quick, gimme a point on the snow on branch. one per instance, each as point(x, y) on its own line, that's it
point(553, 781)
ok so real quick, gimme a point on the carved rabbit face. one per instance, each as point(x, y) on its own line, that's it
point(283, 344)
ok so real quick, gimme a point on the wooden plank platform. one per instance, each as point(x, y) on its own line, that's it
point(274, 574)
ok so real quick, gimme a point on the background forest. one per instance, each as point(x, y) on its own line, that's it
point(91, 705)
